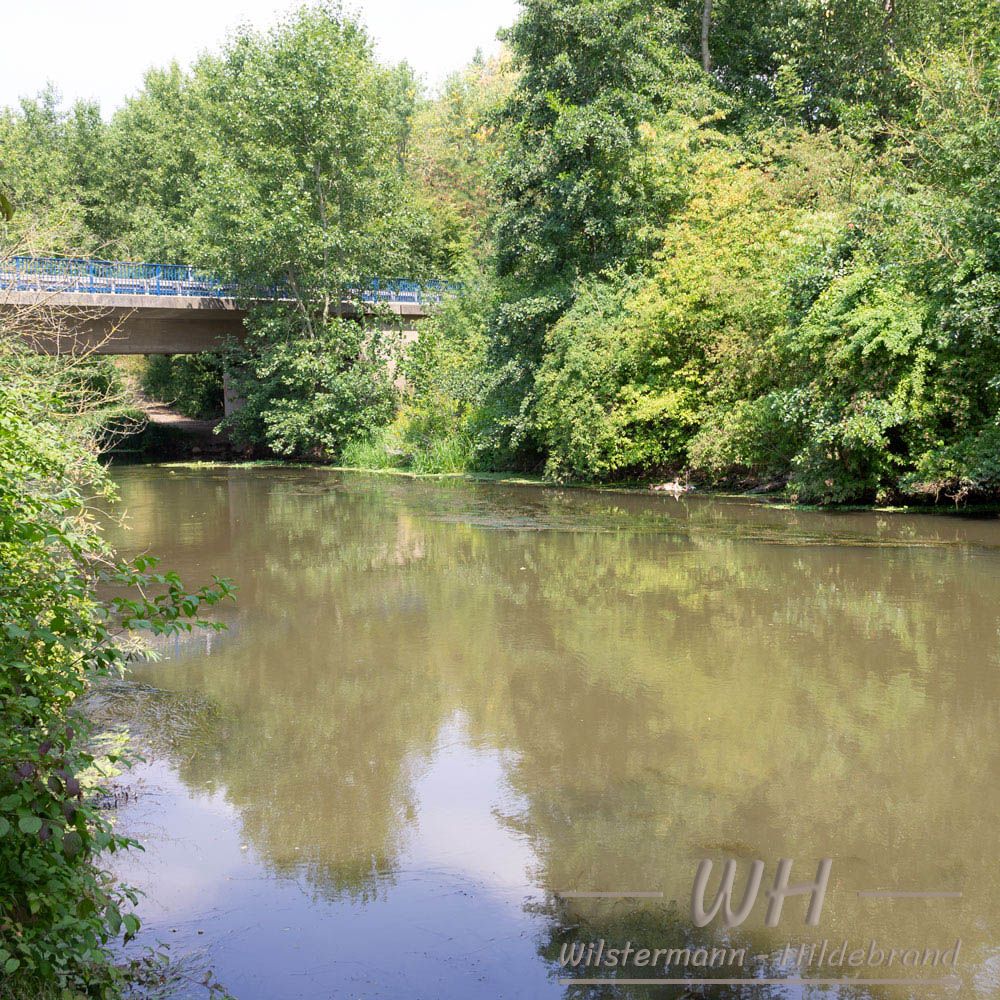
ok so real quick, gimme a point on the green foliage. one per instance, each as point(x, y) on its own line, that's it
point(819, 64)
point(306, 397)
point(454, 144)
point(884, 375)
point(581, 182)
point(48, 156)
point(447, 376)
point(192, 383)
point(69, 610)
point(299, 141)
point(440, 426)
point(630, 369)
point(144, 190)
point(785, 267)
point(601, 413)
point(578, 181)
point(88, 390)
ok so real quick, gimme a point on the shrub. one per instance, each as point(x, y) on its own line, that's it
point(308, 396)
point(605, 404)
point(68, 608)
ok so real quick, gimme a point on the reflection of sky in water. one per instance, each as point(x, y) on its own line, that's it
point(432, 715)
point(446, 921)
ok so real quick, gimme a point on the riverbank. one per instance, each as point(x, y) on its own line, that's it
point(773, 500)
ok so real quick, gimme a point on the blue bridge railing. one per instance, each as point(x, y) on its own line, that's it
point(79, 274)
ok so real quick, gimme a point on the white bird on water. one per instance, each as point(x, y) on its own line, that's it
point(675, 488)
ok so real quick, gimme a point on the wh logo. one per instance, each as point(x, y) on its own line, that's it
point(776, 895)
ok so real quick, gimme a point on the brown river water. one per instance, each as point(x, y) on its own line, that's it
point(442, 708)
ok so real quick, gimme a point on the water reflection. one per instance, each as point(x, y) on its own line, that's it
point(637, 682)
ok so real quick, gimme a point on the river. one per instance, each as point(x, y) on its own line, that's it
point(441, 708)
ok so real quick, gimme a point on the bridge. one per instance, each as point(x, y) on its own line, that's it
point(124, 307)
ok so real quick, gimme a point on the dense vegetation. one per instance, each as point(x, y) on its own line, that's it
point(755, 243)
point(70, 613)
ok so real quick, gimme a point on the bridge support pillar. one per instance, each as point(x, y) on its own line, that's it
point(231, 399)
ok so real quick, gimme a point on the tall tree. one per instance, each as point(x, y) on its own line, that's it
point(41, 173)
point(843, 57)
point(578, 183)
point(455, 143)
point(301, 181)
point(147, 186)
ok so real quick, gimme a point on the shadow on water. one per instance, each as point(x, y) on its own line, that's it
point(441, 704)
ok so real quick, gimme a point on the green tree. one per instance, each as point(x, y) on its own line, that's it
point(308, 396)
point(192, 383)
point(579, 183)
point(46, 166)
point(819, 64)
point(883, 375)
point(455, 144)
point(302, 190)
point(301, 182)
point(144, 189)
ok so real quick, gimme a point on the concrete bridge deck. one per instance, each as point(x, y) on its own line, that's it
point(106, 323)
point(110, 307)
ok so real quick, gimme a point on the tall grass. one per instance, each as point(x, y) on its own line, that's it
point(391, 448)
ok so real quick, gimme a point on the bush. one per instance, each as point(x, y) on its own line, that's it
point(307, 396)
point(67, 609)
point(440, 426)
point(604, 408)
point(441, 423)
point(641, 371)
point(882, 376)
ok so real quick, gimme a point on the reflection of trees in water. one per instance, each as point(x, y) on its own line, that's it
point(659, 927)
point(667, 695)
point(798, 706)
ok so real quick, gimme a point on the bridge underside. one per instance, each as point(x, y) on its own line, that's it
point(145, 324)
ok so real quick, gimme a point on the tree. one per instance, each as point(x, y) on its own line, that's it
point(576, 186)
point(142, 193)
point(301, 184)
point(844, 57)
point(881, 375)
point(307, 396)
point(301, 194)
point(455, 143)
point(42, 175)
point(579, 182)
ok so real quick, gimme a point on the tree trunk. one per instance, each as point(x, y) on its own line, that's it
point(706, 23)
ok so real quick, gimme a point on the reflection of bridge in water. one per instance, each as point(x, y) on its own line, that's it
point(121, 307)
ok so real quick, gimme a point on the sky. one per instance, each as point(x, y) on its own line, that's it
point(99, 51)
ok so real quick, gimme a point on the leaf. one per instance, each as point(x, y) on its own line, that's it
point(72, 844)
point(131, 922)
point(4, 827)
point(29, 824)
point(11, 965)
